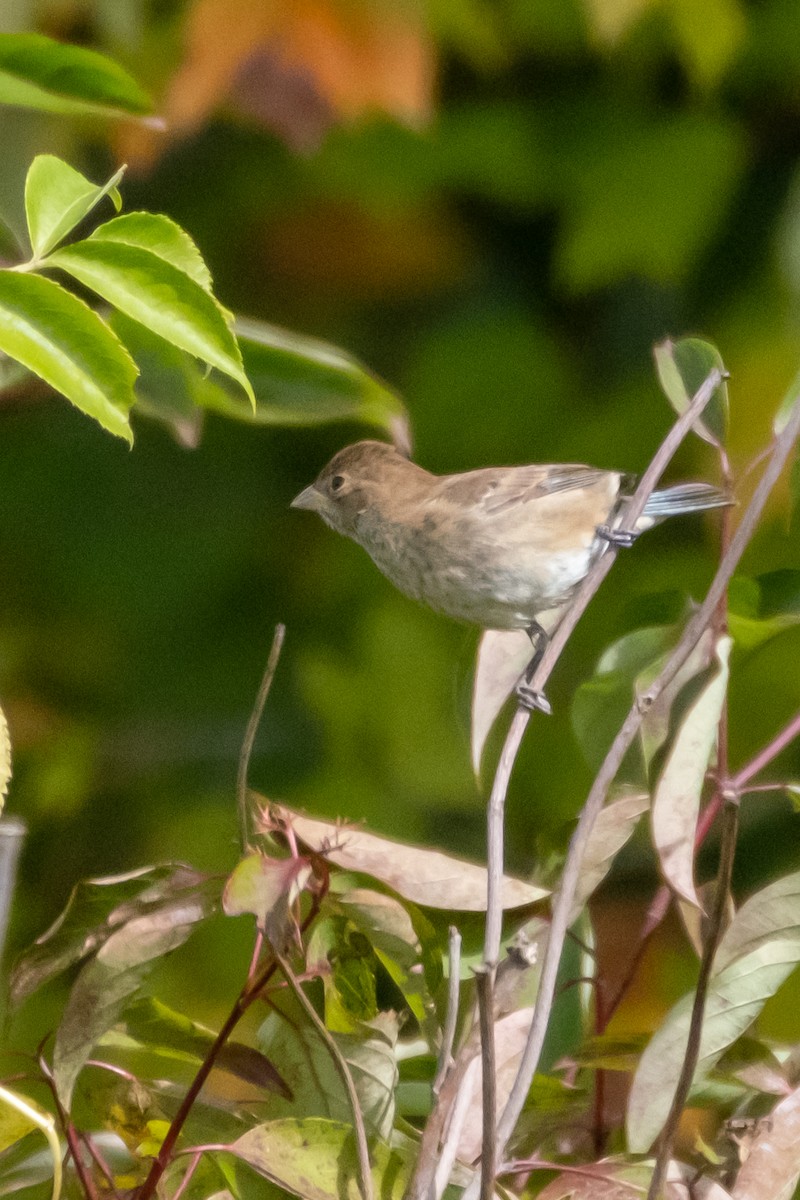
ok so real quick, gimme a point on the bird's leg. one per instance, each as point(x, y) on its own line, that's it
point(617, 537)
point(526, 695)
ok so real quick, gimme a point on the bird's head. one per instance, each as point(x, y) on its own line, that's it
point(353, 481)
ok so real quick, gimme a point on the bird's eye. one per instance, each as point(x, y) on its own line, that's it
point(337, 483)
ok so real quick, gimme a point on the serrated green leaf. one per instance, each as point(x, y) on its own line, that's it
point(162, 236)
point(38, 72)
point(161, 297)
point(64, 342)
point(682, 367)
point(57, 198)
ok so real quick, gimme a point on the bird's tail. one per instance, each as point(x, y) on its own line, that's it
point(685, 498)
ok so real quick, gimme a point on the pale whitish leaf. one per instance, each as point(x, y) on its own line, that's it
point(5, 758)
point(65, 343)
point(428, 877)
point(316, 1159)
point(682, 368)
point(57, 198)
point(503, 654)
point(163, 298)
point(676, 799)
point(108, 981)
point(614, 825)
point(786, 407)
point(38, 72)
point(772, 912)
point(510, 1035)
point(96, 907)
point(162, 236)
point(306, 1066)
point(736, 996)
point(655, 727)
point(772, 1167)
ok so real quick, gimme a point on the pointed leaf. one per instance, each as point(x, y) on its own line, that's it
point(612, 829)
point(316, 1159)
point(428, 877)
point(736, 996)
point(64, 342)
point(38, 72)
point(57, 198)
point(94, 910)
point(162, 236)
point(682, 367)
point(786, 407)
point(503, 655)
point(676, 800)
point(299, 380)
point(772, 912)
point(108, 981)
point(163, 298)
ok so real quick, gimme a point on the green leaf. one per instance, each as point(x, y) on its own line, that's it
point(301, 381)
point(57, 198)
point(94, 910)
point(759, 950)
point(762, 608)
point(160, 235)
point(786, 406)
point(113, 975)
point(163, 298)
point(682, 367)
point(157, 1026)
point(268, 888)
point(316, 1159)
point(37, 72)
point(64, 342)
point(305, 1064)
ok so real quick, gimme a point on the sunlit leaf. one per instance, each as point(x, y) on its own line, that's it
point(163, 298)
point(5, 758)
point(316, 1159)
point(510, 1035)
point(66, 344)
point(771, 912)
point(612, 829)
point(95, 909)
point(57, 198)
point(772, 1167)
point(737, 993)
point(162, 236)
point(38, 72)
point(268, 888)
point(786, 407)
point(114, 974)
point(676, 799)
point(427, 877)
point(503, 654)
point(682, 367)
point(305, 1064)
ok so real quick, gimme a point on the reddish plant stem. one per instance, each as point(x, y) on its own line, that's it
point(70, 1133)
point(764, 757)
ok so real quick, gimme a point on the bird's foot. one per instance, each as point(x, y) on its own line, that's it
point(534, 701)
point(617, 537)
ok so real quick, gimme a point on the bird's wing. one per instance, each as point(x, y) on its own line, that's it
point(495, 490)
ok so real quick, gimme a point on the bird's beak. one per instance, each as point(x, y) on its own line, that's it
point(309, 498)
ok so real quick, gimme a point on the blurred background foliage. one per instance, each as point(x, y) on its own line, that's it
point(499, 205)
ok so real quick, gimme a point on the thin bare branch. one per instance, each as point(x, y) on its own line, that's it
point(362, 1147)
point(484, 986)
point(451, 1015)
point(608, 771)
point(252, 730)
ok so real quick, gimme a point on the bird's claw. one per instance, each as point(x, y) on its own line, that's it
point(534, 701)
point(617, 537)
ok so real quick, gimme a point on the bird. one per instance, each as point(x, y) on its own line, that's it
point(499, 547)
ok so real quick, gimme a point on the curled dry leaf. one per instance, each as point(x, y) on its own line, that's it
point(503, 655)
point(611, 831)
point(428, 877)
point(676, 800)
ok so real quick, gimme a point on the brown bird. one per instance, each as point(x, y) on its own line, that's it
point(499, 547)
